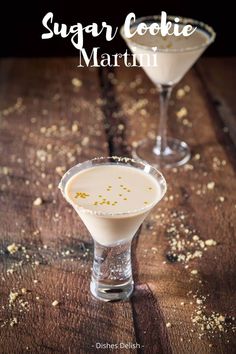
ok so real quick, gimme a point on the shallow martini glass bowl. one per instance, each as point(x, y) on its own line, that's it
point(166, 60)
point(112, 196)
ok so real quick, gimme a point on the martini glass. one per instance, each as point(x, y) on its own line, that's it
point(166, 60)
point(112, 196)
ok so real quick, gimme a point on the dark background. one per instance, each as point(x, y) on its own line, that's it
point(21, 24)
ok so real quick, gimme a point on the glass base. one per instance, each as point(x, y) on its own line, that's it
point(112, 274)
point(176, 153)
point(111, 292)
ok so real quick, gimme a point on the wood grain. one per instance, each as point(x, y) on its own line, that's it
point(48, 123)
point(219, 78)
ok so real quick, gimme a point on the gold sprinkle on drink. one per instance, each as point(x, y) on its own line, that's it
point(82, 195)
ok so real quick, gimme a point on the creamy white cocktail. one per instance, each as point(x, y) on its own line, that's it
point(112, 197)
point(166, 58)
point(170, 54)
point(123, 194)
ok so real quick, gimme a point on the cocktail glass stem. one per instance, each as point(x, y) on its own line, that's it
point(161, 139)
point(112, 273)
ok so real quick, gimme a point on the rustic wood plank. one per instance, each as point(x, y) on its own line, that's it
point(151, 341)
point(219, 77)
point(47, 125)
point(194, 206)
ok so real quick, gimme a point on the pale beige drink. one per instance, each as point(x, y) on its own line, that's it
point(112, 200)
point(169, 57)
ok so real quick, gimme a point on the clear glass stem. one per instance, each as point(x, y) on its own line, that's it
point(112, 273)
point(161, 140)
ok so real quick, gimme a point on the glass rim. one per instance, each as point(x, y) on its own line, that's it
point(183, 20)
point(112, 160)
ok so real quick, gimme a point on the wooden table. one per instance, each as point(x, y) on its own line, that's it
point(53, 116)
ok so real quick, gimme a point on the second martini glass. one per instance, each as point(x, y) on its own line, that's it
point(173, 57)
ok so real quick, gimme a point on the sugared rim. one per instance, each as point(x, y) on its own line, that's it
point(111, 160)
point(183, 20)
